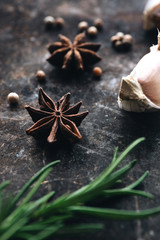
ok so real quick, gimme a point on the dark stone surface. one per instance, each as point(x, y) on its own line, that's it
point(23, 41)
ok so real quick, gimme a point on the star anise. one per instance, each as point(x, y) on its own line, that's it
point(77, 55)
point(56, 122)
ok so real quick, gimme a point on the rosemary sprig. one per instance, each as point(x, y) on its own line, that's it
point(42, 218)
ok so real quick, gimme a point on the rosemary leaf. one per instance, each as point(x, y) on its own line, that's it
point(138, 181)
point(37, 185)
point(115, 155)
point(30, 182)
point(46, 232)
point(128, 190)
point(111, 179)
point(39, 232)
point(115, 163)
point(117, 192)
point(80, 229)
point(24, 210)
point(114, 213)
point(4, 184)
point(9, 232)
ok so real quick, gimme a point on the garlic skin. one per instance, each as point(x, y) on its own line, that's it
point(140, 91)
point(151, 15)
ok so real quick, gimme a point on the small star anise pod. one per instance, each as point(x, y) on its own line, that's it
point(77, 55)
point(56, 122)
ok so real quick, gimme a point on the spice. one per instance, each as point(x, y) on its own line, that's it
point(41, 76)
point(82, 26)
point(56, 122)
point(77, 55)
point(121, 41)
point(13, 98)
point(97, 71)
point(59, 22)
point(49, 21)
point(92, 31)
point(151, 15)
point(140, 90)
point(98, 23)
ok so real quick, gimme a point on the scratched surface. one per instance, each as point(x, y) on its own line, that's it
point(23, 41)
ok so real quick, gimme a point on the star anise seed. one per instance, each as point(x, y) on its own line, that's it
point(56, 121)
point(77, 55)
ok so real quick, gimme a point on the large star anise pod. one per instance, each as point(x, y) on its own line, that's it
point(77, 55)
point(56, 122)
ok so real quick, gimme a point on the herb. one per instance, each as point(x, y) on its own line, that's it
point(77, 55)
point(24, 218)
point(56, 121)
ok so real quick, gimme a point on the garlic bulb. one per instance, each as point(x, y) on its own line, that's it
point(151, 14)
point(140, 91)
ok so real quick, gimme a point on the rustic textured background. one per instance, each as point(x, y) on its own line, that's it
point(23, 41)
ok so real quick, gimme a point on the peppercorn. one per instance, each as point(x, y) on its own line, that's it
point(41, 76)
point(92, 31)
point(82, 26)
point(121, 41)
point(127, 38)
point(49, 22)
point(59, 22)
point(13, 98)
point(98, 23)
point(97, 71)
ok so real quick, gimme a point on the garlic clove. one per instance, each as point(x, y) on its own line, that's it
point(140, 91)
point(148, 78)
point(151, 15)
